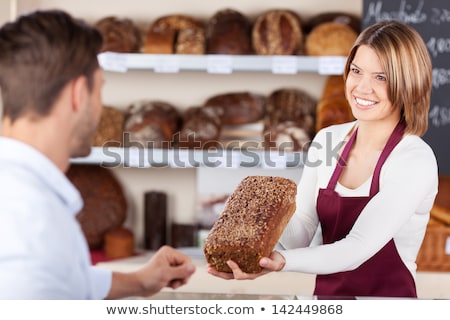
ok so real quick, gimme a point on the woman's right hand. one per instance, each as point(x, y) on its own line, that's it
point(275, 262)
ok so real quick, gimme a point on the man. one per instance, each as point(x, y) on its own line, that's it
point(51, 84)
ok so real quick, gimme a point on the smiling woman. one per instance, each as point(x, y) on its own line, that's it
point(372, 215)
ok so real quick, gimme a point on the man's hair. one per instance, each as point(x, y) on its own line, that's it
point(39, 54)
point(407, 64)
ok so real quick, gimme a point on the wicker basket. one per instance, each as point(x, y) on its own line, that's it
point(434, 255)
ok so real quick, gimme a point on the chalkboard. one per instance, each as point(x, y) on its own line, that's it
point(431, 18)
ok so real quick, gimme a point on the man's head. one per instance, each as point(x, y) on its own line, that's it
point(40, 53)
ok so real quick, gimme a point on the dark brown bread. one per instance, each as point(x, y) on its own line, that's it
point(200, 129)
point(119, 35)
point(105, 206)
point(238, 107)
point(277, 32)
point(151, 124)
point(229, 32)
point(286, 136)
point(251, 223)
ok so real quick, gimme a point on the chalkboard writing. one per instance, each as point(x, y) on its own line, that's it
point(431, 18)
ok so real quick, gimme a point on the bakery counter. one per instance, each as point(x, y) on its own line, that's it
point(276, 285)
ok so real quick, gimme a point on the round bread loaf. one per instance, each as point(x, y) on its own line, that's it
point(119, 243)
point(330, 39)
point(334, 86)
point(201, 128)
point(348, 19)
point(277, 32)
point(151, 124)
point(110, 128)
point(119, 35)
point(229, 32)
point(105, 205)
point(238, 107)
point(176, 33)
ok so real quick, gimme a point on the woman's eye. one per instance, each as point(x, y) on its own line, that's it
point(355, 70)
point(381, 78)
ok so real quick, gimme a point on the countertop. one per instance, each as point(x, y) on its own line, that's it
point(276, 285)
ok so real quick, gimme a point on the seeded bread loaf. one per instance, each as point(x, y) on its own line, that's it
point(251, 223)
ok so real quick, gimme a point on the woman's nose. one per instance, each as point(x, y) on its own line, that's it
point(364, 84)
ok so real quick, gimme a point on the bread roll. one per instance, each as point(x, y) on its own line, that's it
point(190, 41)
point(119, 243)
point(229, 32)
point(330, 39)
point(238, 107)
point(277, 32)
point(251, 223)
point(333, 111)
point(119, 35)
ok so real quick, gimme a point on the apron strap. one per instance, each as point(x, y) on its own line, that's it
point(394, 139)
point(342, 161)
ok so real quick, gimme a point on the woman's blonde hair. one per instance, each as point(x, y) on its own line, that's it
point(405, 60)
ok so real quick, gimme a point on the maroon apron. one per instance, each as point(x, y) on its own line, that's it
point(384, 274)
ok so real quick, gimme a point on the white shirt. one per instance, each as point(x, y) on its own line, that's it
point(400, 210)
point(43, 252)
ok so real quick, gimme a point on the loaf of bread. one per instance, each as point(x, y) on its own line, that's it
point(119, 35)
point(330, 39)
point(251, 223)
point(277, 32)
point(151, 124)
point(238, 107)
point(333, 107)
point(293, 105)
point(287, 136)
point(119, 243)
point(229, 32)
point(110, 128)
point(176, 33)
point(159, 42)
point(200, 129)
point(105, 205)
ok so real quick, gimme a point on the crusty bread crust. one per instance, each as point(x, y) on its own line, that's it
point(251, 223)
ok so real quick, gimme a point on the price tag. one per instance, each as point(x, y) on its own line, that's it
point(331, 65)
point(219, 64)
point(284, 65)
point(167, 64)
point(137, 158)
point(112, 61)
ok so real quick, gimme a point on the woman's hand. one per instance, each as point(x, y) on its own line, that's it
point(275, 262)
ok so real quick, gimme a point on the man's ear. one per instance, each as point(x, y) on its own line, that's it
point(79, 90)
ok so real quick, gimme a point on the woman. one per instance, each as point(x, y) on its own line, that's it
point(373, 203)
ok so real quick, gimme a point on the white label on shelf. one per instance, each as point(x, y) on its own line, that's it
point(284, 65)
point(183, 158)
point(111, 61)
point(331, 65)
point(219, 64)
point(137, 158)
point(447, 246)
point(167, 64)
